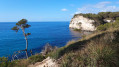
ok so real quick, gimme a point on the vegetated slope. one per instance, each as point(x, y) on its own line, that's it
point(100, 49)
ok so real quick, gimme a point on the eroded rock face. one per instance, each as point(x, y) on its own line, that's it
point(82, 23)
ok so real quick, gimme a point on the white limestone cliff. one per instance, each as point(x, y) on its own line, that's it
point(82, 23)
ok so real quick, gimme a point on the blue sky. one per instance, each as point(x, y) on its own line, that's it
point(51, 10)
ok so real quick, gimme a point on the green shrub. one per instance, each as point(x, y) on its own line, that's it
point(36, 58)
point(21, 63)
point(3, 62)
point(58, 53)
point(108, 26)
point(104, 27)
point(77, 30)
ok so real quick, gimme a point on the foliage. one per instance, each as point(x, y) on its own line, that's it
point(16, 63)
point(77, 30)
point(109, 25)
point(66, 49)
point(36, 58)
point(3, 61)
point(21, 63)
point(104, 27)
point(21, 24)
point(57, 54)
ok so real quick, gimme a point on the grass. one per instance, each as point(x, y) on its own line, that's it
point(100, 52)
point(36, 58)
point(74, 45)
point(23, 62)
point(70, 42)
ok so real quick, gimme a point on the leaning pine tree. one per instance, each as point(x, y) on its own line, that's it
point(22, 24)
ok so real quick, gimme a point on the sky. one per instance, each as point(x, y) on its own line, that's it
point(52, 10)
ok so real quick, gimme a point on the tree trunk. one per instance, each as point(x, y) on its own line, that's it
point(26, 47)
point(26, 42)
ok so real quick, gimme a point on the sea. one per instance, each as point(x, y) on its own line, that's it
point(54, 33)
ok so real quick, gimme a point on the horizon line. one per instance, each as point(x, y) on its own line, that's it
point(35, 21)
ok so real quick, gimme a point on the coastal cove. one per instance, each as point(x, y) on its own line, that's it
point(55, 33)
point(59, 33)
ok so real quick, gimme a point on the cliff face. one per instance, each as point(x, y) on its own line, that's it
point(86, 24)
point(82, 23)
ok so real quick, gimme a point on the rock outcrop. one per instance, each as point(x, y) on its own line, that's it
point(90, 22)
point(48, 62)
point(82, 23)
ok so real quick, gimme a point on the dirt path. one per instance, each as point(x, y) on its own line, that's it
point(48, 62)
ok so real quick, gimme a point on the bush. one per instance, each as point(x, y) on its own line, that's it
point(3, 62)
point(58, 53)
point(16, 63)
point(108, 26)
point(21, 63)
point(104, 27)
point(36, 58)
point(77, 30)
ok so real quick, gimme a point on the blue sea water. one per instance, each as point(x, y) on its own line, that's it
point(55, 33)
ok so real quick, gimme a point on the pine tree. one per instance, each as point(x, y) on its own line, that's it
point(22, 24)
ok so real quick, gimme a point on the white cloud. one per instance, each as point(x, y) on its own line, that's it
point(99, 7)
point(64, 9)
